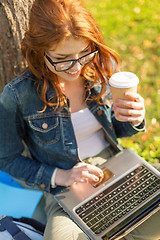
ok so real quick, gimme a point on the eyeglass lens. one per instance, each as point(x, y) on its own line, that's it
point(69, 64)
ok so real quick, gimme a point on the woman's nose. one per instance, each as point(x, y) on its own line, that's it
point(77, 65)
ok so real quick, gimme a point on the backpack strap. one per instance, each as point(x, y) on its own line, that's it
point(40, 227)
point(12, 228)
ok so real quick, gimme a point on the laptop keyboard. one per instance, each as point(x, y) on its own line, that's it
point(121, 198)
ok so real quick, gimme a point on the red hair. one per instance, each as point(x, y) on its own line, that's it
point(52, 21)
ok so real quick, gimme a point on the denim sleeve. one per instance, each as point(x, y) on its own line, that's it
point(126, 129)
point(35, 174)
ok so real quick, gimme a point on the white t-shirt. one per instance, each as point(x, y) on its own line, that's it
point(89, 133)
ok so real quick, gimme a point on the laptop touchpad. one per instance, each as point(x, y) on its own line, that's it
point(107, 175)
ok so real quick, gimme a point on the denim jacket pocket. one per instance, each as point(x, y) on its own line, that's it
point(45, 129)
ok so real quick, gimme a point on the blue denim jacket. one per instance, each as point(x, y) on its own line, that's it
point(49, 135)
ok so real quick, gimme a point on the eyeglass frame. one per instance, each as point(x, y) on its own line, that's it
point(71, 60)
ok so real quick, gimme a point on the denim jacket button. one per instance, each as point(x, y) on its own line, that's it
point(111, 127)
point(100, 112)
point(42, 185)
point(44, 125)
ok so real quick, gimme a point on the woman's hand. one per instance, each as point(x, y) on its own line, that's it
point(81, 172)
point(133, 110)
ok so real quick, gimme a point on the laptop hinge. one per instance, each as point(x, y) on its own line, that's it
point(138, 221)
point(115, 145)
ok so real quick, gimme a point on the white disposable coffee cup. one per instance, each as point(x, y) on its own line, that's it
point(122, 82)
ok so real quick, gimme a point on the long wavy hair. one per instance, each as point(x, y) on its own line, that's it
point(52, 21)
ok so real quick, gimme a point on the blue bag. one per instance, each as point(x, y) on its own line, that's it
point(18, 229)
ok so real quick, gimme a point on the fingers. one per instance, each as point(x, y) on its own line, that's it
point(88, 167)
point(89, 176)
point(138, 105)
point(131, 110)
point(134, 96)
point(134, 100)
point(133, 119)
point(83, 173)
point(88, 171)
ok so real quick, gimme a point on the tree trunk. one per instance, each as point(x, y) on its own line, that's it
point(14, 20)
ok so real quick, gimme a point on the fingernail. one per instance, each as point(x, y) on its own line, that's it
point(96, 179)
point(83, 180)
point(102, 174)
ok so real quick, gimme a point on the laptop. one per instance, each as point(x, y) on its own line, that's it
point(128, 195)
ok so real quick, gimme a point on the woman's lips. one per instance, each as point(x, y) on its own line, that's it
point(73, 73)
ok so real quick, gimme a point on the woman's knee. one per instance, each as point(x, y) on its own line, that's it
point(149, 230)
point(62, 227)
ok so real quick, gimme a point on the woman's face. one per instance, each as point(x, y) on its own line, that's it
point(69, 49)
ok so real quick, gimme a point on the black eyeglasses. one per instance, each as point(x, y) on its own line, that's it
point(66, 65)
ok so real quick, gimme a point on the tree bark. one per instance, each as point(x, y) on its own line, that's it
point(14, 21)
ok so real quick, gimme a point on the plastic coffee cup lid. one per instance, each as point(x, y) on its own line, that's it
point(123, 80)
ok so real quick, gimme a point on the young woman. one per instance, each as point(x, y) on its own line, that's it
point(59, 108)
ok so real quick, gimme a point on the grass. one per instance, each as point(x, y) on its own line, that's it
point(132, 29)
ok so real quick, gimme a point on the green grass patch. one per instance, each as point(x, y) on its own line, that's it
point(132, 29)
